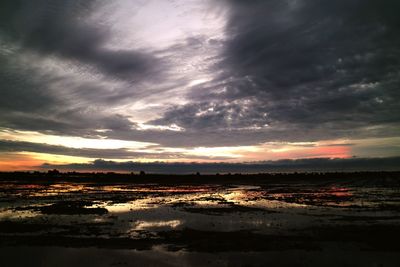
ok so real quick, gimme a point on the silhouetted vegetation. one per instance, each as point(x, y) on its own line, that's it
point(142, 177)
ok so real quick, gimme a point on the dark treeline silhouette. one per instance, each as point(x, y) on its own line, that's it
point(285, 165)
point(197, 178)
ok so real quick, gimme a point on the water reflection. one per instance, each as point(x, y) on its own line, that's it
point(159, 225)
point(149, 210)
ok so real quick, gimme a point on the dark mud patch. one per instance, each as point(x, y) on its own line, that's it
point(366, 218)
point(11, 227)
point(365, 238)
point(67, 208)
point(371, 237)
point(218, 199)
point(224, 210)
point(210, 241)
point(328, 199)
point(188, 239)
point(71, 208)
point(79, 242)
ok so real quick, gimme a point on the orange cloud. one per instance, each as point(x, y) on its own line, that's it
point(294, 151)
point(331, 152)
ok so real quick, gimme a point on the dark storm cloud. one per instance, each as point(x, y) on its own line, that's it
point(62, 120)
point(18, 93)
point(25, 102)
point(58, 28)
point(18, 146)
point(318, 69)
point(286, 71)
point(35, 97)
point(354, 164)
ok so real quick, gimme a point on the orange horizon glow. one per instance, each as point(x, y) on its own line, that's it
point(33, 161)
point(12, 162)
point(269, 151)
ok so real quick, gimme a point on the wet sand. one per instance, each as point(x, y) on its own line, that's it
point(312, 220)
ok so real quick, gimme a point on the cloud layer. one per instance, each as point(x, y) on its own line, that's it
point(199, 74)
point(307, 70)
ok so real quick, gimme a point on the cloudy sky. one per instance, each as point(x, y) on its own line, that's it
point(197, 81)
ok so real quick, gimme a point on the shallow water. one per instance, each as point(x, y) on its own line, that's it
point(193, 224)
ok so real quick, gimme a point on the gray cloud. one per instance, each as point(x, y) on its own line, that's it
point(285, 71)
point(38, 97)
point(318, 69)
point(59, 28)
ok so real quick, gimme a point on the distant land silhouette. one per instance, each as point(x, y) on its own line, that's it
point(286, 165)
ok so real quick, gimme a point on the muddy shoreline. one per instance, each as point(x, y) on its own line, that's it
point(313, 214)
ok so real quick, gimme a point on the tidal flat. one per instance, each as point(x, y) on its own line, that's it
point(216, 220)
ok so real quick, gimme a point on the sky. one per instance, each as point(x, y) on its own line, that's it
point(87, 82)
